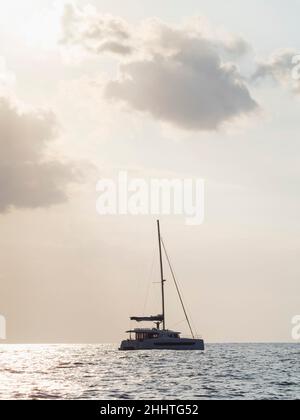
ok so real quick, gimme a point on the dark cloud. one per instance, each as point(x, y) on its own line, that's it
point(95, 32)
point(28, 179)
point(190, 87)
point(179, 75)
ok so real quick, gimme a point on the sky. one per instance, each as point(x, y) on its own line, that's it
point(202, 89)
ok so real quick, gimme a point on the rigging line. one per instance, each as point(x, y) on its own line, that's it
point(177, 288)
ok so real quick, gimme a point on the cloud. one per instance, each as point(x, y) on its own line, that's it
point(95, 32)
point(28, 177)
point(7, 78)
point(156, 36)
point(180, 75)
point(283, 67)
point(183, 80)
point(191, 93)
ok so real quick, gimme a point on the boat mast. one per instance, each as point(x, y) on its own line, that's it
point(162, 276)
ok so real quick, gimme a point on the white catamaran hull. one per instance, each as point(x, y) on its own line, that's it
point(177, 344)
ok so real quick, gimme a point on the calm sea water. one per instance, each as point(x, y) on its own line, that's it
point(101, 372)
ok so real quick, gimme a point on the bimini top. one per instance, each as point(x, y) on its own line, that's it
point(157, 318)
point(153, 330)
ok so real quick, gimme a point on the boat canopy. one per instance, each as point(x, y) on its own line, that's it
point(153, 330)
point(157, 318)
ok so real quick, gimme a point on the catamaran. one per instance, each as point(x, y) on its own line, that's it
point(161, 338)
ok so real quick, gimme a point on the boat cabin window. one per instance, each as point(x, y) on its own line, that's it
point(146, 336)
point(174, 336)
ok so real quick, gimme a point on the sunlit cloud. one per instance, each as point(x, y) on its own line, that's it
point(95, 32)
point(283, 66)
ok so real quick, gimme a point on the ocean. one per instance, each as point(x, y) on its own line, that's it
point(99, 372)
